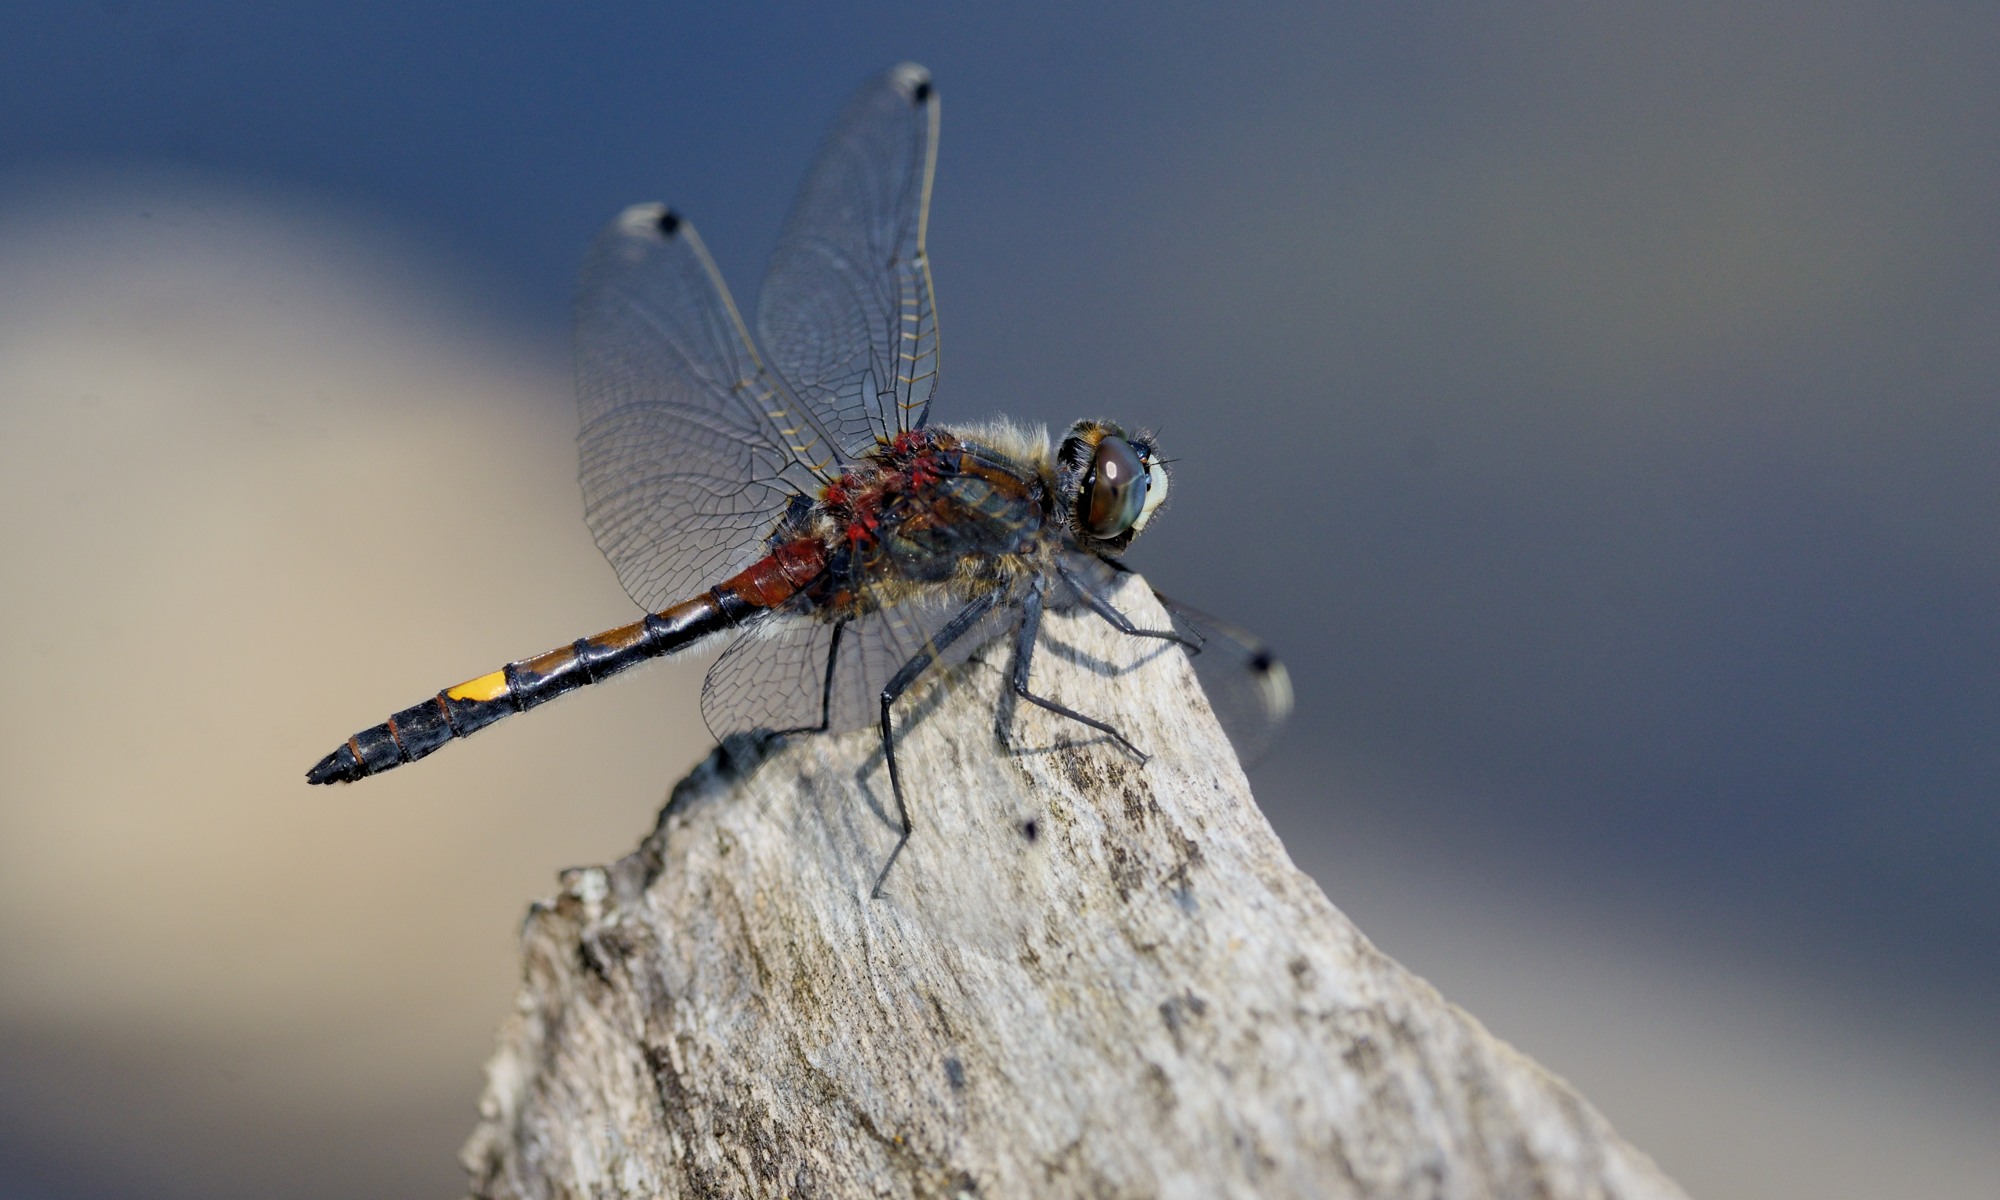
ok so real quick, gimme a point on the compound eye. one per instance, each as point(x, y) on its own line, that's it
point(1114, 494)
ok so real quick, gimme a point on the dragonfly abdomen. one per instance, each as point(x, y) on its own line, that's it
point(529, 682)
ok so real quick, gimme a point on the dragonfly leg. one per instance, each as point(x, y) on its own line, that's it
point(954, 629)
point(1118, 620)
point(825, 687)
point(1024, 657)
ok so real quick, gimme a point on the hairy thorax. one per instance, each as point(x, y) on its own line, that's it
point(932, 506)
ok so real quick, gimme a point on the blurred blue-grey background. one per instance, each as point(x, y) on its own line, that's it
point(1595, 406)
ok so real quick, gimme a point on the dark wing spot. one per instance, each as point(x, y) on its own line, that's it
point(670, 223)
point(1261, 661)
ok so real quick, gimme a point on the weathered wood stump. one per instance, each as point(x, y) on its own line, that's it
point(1087, 977)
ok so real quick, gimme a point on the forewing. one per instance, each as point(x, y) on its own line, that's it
point(847, 311)
point(1247, 686)
point(690, 448)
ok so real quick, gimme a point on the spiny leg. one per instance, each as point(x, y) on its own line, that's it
point(826, 686)
point(1118, 620)
point(1024, 657)
point(954, 629)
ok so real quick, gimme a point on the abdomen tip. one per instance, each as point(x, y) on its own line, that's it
point(339, 767)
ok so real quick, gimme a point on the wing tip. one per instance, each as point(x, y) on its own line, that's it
point(651, 220)
point(913, 80)
point(1274, 684)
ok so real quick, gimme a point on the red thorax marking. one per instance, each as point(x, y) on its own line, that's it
point(909, 462)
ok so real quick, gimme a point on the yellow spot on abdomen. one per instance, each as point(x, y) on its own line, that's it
point(486, 687)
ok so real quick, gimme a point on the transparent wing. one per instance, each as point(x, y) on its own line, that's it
point(1247, 686)
point(773, 677)
point(690, 448)
point(847, 312)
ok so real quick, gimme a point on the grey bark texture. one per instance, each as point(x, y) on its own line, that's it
point(1087, 977)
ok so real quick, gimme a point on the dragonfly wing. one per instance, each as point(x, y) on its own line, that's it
point(1249, 689)
point(774, 677)
point(770, 679)
point(847, 311)
point(690, 448)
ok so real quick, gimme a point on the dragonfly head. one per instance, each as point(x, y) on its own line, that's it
point(1108, 483)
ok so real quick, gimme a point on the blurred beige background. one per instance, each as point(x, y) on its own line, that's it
point(258, 485)
point(266, 477)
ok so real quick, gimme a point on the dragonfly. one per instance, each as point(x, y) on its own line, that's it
point(794, 499)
